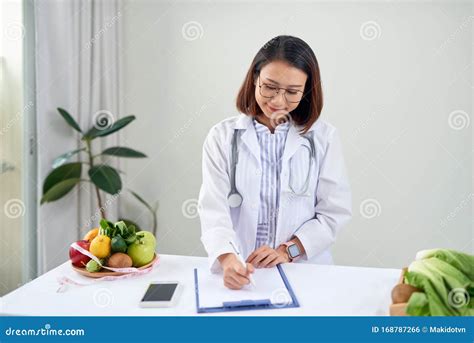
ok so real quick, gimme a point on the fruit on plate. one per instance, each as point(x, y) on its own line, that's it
point(78, 259)
point(93, 267)
point(126, 232)
point(142, 250)
point(118, 244)
point(91, 234)
point(148, 236)
point(100, 246)
point(119, 260)
point(140, 253)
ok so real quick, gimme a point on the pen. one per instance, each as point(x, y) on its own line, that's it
point(252, 281)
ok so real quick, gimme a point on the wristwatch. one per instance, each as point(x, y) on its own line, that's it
point(293, 250)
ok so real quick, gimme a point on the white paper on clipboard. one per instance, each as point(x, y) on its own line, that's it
point(269, 285)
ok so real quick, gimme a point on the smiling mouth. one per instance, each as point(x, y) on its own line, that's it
point(274, 109)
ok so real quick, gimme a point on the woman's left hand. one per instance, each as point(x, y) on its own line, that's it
point(266, 257)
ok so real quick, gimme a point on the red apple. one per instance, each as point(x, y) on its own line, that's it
point(78, 259)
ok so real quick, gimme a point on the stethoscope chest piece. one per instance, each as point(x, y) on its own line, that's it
point(234, 200)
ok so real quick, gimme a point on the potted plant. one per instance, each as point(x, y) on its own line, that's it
point(105, 178)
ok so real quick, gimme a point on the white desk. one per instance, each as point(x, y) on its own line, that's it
point(321, 290)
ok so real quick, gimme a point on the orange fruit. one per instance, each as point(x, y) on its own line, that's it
point(91, 234)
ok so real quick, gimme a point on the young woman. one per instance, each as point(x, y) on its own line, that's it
point(274, 186)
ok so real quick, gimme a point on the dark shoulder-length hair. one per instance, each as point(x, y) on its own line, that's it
point(296, 53)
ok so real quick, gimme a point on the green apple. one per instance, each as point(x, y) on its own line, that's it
point(143, 249)
point(147, 236)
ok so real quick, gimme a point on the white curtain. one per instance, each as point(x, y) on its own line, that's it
point(78, 69)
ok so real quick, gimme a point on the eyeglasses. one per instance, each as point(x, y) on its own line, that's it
point(270, 91)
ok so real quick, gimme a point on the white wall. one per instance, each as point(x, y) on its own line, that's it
point(392, 98)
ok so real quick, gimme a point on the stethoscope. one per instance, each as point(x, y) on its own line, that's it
point(235, 198)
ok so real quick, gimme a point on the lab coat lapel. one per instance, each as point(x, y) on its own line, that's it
point(293, 142)
point(249, 136)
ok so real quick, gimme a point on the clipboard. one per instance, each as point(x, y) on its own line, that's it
point(250, 304)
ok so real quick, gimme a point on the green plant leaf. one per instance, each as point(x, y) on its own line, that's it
point(59, 190)
point(119, 124)
point(123, 152)
point(69, 119)
point(61, 159)
point(106, 178)
point(131, 224)
point(64, 172)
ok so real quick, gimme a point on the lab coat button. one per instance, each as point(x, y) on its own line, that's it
point(258, 172)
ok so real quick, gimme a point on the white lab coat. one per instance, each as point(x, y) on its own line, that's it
point(314, 219)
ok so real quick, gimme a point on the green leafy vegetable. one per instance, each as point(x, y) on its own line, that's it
point(418, 305)
point(126, 232)
point(445, 277)
point(463, 262)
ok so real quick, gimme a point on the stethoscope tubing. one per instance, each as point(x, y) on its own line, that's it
point(235, 198)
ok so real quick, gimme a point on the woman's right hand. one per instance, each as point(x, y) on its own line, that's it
point(235, 274)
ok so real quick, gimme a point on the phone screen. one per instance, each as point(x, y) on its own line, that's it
point(160, 292)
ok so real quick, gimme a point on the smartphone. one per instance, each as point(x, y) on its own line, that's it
point(161, 294)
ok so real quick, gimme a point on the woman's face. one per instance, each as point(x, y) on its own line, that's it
point(283, 75)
